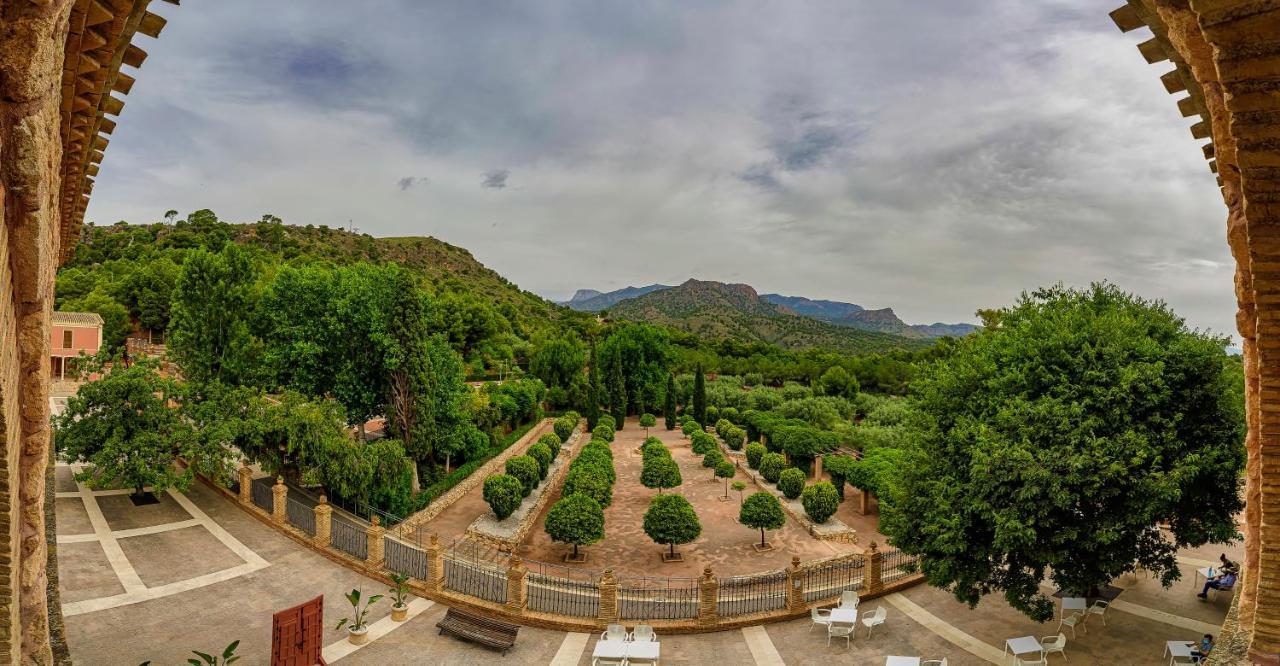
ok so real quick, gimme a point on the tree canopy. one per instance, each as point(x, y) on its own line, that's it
point(575, 519)
point(671, 520)
point(1058, 438)
point(763, 511)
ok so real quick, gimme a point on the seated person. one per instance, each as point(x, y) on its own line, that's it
point(1228, 566)
point(1223, 581)
point(1203, 649)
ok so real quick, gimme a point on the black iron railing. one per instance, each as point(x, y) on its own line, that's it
point(553, 588)
point(478, 580)
point(746, 595)
point(405, 559)
point(349, 539)
point(896, 565)
point(261, 494)
point(829, 579)
point(301, 516)
point(657, 598)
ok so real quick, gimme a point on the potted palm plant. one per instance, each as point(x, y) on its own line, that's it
point(399, 593)
point(357, 625)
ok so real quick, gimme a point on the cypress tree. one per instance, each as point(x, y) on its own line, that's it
point(618, 392)
point(592, 408)
point(700, 398)
point(669, 408)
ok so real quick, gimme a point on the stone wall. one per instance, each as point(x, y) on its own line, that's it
point(507, 535)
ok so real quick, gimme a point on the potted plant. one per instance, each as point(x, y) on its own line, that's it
point(399, 593)
point(357, 626)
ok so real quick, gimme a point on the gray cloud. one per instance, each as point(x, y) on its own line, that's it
point(935, 156)
point(409, 182)
point(495, 179)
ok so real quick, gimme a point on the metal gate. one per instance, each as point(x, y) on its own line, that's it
point(297, 635)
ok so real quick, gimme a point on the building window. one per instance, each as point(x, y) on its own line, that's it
point(66, 339)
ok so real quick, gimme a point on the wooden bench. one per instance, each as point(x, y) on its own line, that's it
point(477, 629)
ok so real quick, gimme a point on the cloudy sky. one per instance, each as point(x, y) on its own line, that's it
point(934, 156)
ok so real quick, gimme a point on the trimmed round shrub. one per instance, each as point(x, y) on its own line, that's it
point(820, 501)
point(713, 458)
point(703, 443)
point(608, 420)
point(575, 519)
point(762, 511)
point(653, 448)
point(660, 472)
point(589, 481)
point(564, 427)
point(599, 460)
point(503, 493)
point(722, 427)
point(671, 520)
point(755, 451)
point(525, 469)
point(729, 414)
point(725, 469)
point(713, 413)
point(648, 420)
point(735, 438)
point(552, 442)
point(690, 426)
point(540, 453)
point(572, 415)
point(771, 466)
point(603, 431)
point(791, 482)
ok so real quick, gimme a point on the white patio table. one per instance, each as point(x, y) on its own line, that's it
point(1074, 604)
point(610, 650)
point(902, 661)
point(1178, 649)
point(1023, 645)
point(844, 615)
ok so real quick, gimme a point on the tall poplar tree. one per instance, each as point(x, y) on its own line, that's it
point(592, 408)
point(617, 392)
point(669, 407)
point(700, 397)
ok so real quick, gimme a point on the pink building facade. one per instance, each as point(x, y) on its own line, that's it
point(71, 334)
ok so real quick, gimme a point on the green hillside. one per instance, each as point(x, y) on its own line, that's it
point(718, 311)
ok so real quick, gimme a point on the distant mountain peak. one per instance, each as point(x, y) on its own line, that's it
point(591, 300)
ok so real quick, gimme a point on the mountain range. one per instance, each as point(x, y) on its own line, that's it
point(837, 313)
point(715, 310)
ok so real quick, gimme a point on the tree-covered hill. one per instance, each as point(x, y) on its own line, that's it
point(716, 311)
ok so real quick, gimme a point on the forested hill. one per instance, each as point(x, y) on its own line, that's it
point(127, 271)
point(719, 311)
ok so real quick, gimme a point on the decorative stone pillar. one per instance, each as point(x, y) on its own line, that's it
point(246, 483)
point(817, 468)
point(608, 597)
point(795, 586)
point(435, 565)
point(872, 582)
point(279, 501)
point(374, 547)
point(515, 585)
point(708, 598)
point(324, 524)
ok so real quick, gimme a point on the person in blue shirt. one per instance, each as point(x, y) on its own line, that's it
point(1223, 581)
point(1203, 649)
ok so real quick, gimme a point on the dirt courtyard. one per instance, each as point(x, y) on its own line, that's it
point(725, 545)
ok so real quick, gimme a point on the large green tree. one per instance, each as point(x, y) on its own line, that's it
point(699, 399)
point(671, 520)
point(617, 393)
point(123, 427)
point(575, 519)
point(1058, 439)
point(209, 318)
point(762, 511)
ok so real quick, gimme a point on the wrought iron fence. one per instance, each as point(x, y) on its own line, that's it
point(301, 516)
point(475, 551)
point(553, 588)
point(405, 559)
point(895, 565)
point(350, 539)
point(365, 511)
point(478, 580)
point(829, 579)
point(657, 598)
point(758, 593)
point(261, 494)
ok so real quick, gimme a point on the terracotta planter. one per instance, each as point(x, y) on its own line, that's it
point(358, 636)
point(399, 613)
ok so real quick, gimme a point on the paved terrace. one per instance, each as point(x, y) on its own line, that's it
point(197, 572)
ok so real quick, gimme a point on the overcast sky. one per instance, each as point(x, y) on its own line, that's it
point(935, 157)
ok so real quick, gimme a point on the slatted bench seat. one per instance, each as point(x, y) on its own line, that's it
point(477, 629)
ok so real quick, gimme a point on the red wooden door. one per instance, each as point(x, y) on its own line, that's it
point(297, 635)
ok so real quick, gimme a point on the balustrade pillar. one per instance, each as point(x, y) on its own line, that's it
point(324, 524)
point(246, 483)
point(873, 583)
point(435, 565)
point(373, 542)
point(608, 597)
point(708, 598)
point(515, 585)
point(279, 502)
point(795, 586)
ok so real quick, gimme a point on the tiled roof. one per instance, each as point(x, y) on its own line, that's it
point(76, 319)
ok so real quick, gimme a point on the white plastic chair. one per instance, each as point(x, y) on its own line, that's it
point(1071, 621)
point(1099, 608)
point(1019, 661)
point(1051, 644)
point(874, 619)
point(614, 632)
point(601, 661)
point(643, 633)
point(820, 617)
point(849, 599)
point(839, 629)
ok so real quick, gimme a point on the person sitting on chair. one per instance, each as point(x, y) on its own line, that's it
point(1228, 565)
point(1223, 581)
point(1203, 650)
